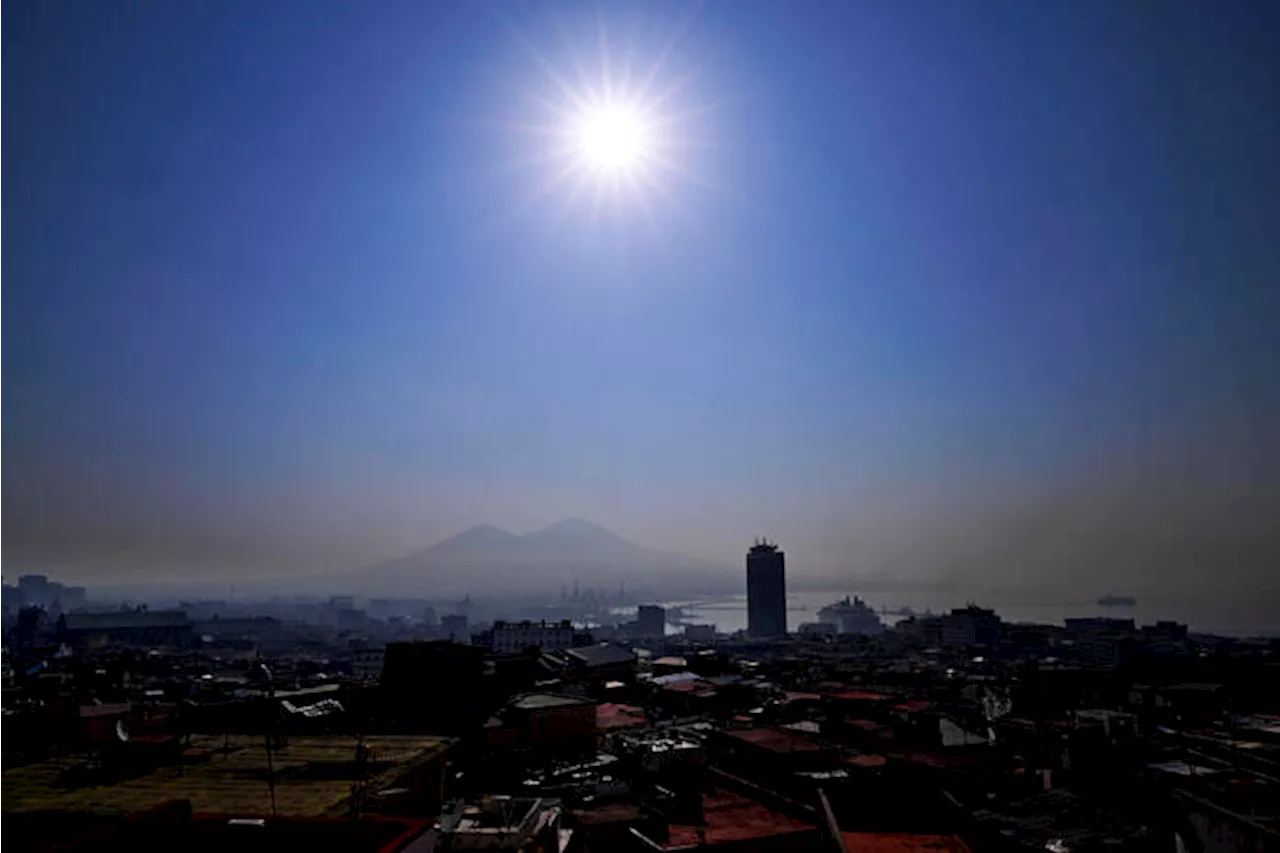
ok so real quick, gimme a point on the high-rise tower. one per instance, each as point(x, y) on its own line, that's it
point(766, 590)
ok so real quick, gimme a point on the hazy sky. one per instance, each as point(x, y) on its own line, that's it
point(975, 291)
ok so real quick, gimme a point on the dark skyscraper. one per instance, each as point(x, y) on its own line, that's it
point(766, 591)
point(652, 620)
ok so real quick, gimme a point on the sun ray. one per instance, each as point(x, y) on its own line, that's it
point(667, 49)
point(673, 168)
point(584, 81)
point(546, 186)
point(579, 186)
point(634, 180)
point(595, 203)
point(655, 102)
point(606, 73)
point(553, 75)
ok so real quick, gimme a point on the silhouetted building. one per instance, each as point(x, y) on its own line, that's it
point(454, 627)
point(1077, 629)
point(433, 687)
point(766, 591)
point(13, 599)
point(971, 626)
point(593, 665)
point(127, 628)
point(73, 597)
point(700, 633)
point(1170, 632)
point(652, 620)
point(551, 723)
point(35, 590)
point(1101, 640)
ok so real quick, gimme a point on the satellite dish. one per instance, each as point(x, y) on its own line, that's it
point(122, 731)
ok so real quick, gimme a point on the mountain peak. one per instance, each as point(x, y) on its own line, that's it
point(486, 529)
point(481, 534)
point(574, 525)
point(574, 531)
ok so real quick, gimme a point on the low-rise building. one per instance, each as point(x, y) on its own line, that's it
point(524, 824)
point(508, 638)
point(550, 723)
point(727, 820)
point(700, 633)
point(150, 628)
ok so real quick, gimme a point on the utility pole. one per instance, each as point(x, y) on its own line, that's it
point(271, 715)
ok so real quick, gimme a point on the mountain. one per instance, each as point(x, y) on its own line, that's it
point(487, 559)
point(480, 536)
point(577, 533)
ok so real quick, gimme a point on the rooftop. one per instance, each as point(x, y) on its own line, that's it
point(543, 701)
point(860, 696)
point(913, 706)
point(866, 760)
point(901, 842)
point(796, 696)
point(675, 678)
point(313, 777)
point(601, 654)
point(695, 686)
point(172, 826)
point(777, 739)
point(866, 725)
point(732, 817)
point(611, 715)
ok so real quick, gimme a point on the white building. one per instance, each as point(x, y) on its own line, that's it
point(367, 663)
point(514, 637)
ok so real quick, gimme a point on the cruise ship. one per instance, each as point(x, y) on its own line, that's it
point(851, 616)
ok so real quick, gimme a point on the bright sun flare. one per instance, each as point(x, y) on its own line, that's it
point(613, 138)
point(618, 137)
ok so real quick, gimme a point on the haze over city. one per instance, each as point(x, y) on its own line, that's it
point(982, 295)
point(641, 426)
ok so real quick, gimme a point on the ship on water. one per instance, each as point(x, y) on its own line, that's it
point(1117, 601)
point(851, 616)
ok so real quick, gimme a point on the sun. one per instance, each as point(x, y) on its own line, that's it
point(613, 138)
point(620, 134)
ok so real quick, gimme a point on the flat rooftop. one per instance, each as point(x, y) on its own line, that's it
point(544, 701)
point(313, 777)
point(731, 817)
point(899, 842)
point(776, 739)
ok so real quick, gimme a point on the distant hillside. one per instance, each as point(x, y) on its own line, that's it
point(488, 559)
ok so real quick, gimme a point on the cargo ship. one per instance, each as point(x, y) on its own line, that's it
point(851, 617)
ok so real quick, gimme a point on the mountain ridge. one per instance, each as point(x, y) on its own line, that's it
point(487, 556)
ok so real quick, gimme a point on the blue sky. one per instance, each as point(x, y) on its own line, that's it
point(286, 288)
